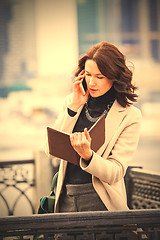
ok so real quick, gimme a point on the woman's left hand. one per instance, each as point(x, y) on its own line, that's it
point(81, 142)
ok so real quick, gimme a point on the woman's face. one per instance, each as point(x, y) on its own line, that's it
point(97, 83)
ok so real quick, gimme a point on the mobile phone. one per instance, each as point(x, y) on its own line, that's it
point(84, 86)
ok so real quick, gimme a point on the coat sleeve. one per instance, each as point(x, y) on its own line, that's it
point(112, 168)
point(65, 122)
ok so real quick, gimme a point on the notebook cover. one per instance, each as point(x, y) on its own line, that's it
point(60, 146)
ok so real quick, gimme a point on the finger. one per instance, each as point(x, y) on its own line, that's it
point(82, 72)
point(87, 135)
point(75, 139)
point(71, 138)
point(78, 81)
point(79, 138)
point(79, 86)
point(79, 77)
point(83, 137)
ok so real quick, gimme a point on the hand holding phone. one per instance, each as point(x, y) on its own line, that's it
point(83, 86)
point(80, 93)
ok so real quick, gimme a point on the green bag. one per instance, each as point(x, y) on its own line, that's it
point(47, 203)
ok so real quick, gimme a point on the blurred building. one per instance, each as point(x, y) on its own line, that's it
point(17, 44)
point(133, 23)
point(44, 38)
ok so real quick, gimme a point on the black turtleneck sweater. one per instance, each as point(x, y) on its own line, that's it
point(96, 107)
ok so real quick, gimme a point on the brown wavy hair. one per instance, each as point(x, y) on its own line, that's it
point(112, 64)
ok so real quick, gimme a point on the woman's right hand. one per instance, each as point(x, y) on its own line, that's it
point(79, 98)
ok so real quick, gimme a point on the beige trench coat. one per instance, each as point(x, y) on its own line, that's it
point(108, 165)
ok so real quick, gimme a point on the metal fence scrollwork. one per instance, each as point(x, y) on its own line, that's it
point(143, 189)
point(17, 188)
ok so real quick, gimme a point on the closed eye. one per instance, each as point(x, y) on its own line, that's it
point(99, 77)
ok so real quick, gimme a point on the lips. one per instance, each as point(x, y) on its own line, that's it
point(91, 90)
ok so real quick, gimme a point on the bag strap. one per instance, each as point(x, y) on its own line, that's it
point(53, 181)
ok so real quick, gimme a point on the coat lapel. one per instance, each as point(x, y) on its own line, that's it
point(112, 122)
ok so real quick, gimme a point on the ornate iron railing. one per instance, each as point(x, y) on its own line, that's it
point(84, 226)
point(17, 182)
point(143, 189)
point(17, 187)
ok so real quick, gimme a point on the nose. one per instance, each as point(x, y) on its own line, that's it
point(92, 82)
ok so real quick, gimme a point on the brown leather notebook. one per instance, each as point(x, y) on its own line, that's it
point(60, 146)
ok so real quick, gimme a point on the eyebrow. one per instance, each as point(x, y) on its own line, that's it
point(95, 74)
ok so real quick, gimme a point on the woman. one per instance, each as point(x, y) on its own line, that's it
point(98, 183)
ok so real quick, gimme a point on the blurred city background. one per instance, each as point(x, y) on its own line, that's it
point(40, 43)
